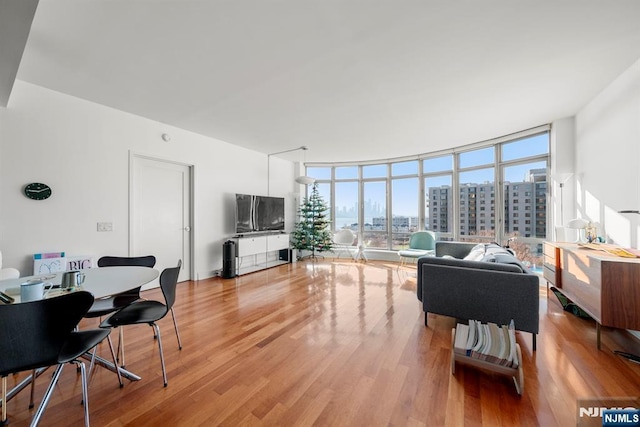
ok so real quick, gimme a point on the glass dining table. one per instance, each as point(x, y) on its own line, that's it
point(100, 282)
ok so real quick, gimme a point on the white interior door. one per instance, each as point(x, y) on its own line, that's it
point(161, 213)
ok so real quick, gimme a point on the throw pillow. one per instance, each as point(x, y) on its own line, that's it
point(493, 252)
point(476, 253)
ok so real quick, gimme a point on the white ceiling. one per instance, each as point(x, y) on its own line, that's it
point(352, 80)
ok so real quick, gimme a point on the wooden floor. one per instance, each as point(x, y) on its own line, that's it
point(334, 342)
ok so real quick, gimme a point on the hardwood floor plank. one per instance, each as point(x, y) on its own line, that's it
point(386, 390)
point(308, 409)
point(334, 343)
point(455, 405)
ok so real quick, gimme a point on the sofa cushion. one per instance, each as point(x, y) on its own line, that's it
point(463, 263)
point(492, 252)
point(506, 259)
point(455, 249)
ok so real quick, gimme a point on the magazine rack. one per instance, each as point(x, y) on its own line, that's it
point(516, 373)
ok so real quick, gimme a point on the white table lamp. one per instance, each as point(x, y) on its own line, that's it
point(579, 224)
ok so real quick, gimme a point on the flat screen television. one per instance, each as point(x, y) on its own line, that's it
point(259, 213)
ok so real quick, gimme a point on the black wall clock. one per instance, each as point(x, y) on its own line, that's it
point(37, 191)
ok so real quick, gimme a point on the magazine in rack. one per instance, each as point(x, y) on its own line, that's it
point(488, 346)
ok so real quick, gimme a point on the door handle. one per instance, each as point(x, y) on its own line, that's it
point(187, 228)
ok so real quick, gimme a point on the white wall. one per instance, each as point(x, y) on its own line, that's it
point(82, 149)
point(608, 159)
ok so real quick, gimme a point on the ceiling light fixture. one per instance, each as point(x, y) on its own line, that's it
point(305, 180)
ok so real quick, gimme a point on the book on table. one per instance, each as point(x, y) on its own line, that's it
point(489, 342)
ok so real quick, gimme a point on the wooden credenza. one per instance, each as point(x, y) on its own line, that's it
point(551, 267)
point(605, 286)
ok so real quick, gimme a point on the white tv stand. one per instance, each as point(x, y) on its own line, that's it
point(258, 251)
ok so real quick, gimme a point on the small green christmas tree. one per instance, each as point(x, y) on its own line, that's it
point(312, 230)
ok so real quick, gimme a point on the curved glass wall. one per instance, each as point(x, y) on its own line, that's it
point(491, 191)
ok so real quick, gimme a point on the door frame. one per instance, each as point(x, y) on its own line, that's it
point(132, 157)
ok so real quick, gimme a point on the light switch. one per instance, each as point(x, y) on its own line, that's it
point(105, 226)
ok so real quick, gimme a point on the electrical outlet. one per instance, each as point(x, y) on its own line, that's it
point(105, 226)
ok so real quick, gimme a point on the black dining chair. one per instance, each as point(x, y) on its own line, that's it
point(40, 334)
point(104, 306)
point(149, 311)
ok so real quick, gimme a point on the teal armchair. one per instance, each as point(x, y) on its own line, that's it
point(421, 243)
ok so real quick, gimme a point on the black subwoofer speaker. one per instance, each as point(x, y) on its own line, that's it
point(229, 259)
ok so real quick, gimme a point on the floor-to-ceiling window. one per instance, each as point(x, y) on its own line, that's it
point(323, 181)
point(524, 170)
point(405, 202)
point(437, 174)
point(492, 191)
point(476, 184)
point(375, 229)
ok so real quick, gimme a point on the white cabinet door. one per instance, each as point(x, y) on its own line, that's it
point(277, 242)
point(251, 246)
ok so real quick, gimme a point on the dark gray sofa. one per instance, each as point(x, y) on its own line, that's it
point(485, 291)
